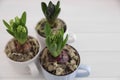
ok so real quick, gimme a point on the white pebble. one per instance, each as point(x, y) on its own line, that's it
point(59, 71)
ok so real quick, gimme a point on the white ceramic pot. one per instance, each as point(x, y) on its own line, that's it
point(26, 66)
point(81, 71)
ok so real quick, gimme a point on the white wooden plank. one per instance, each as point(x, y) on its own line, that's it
point(98, 79)
point(98, 41)
point(103, 63)
point(74, 79)
point(99, 16)
point(92, 15)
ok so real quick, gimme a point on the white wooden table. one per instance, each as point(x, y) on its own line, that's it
point(95, 22)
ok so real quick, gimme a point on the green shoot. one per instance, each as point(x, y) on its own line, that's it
point(55, 42)
point(51, 11)
point(17, 28)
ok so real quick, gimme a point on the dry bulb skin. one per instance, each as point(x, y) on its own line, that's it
point(24, 52)
point(63, 64)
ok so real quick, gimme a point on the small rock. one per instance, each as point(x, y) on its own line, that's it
point(76, 57)
point(50, 68)
point(9, 54)
point(74, 67)
point(72, 54)
point(71, 67)
point(65, 47)
point(72, 62)
point(59, 71)
point(31, 54)
point(55, 64)
point(11, 45)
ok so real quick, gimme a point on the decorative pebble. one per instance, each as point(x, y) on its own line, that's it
point(27, 52)
point(72, 54)
point(71, 67)
point(58, 68)
point(31, 54)
point(74, 66)
point(59, 71)
point(72, 61)
point(50, 68)
point(11, 45)
point(76, 57)
point(55, 64)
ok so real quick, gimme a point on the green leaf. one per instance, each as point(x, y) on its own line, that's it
point(50, 4)
point(11, 23)
point(55, 54)
point(51, 8)
point(17, 20)
point(48, 42)
point(44, 7)
point(6, 24)
point(23, 19)
point(23, 38)
point(53, 50)
point(57, 5)
point(26, 30)
point(51, 11)
point(10, 32)
point(14, 27)
point(59, 45)
point(57, 13)
point(47, 29)
point(21, 35)
point(64, 41)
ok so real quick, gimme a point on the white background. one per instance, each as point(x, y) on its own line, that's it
point(95, 22)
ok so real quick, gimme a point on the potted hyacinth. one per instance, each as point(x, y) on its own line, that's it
point(58, 60)
point(51, 12)
point(22, 47)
